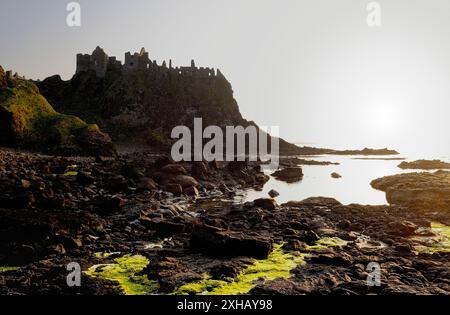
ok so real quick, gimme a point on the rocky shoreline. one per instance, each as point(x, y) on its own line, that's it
point(141, 224)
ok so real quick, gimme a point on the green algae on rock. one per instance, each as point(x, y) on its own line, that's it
point(125, 271)
point(8, 268)
point(278, 265)
point(326, 242)
point(432, 244)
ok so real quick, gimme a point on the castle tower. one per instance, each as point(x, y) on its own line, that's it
point(192, 63)
point(99, 61)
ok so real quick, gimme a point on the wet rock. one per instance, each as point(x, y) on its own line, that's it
point(191, 191)
point(404, 248)
point(166, 227)
point(215, 165)
point(199, 171)
point(273, 193)
point(279, 286)
point(162, 161)
point(221, 243)
point(344, 224)
point(174, 169)
point(18, 201)
point(289, 174)
point(146, 183)
point(68, 242)
point(171, 274)
point(131, 171)
point(309, 237)
point(117, 182)
point(175, 189)
point(109, 204)
point(333, 259)
point(293, 245)
point(184, 181)
point(225, 270)
point(85, 178)
point(237, 166)
point(402, 228)
point(266, 203)
point(315, 201)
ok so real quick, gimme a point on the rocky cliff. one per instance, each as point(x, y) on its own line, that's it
point(27, 120)
point(144, 107)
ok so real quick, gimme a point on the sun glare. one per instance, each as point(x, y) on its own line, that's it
point(382, 118)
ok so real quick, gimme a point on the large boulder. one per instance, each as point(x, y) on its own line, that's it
point(223, 243)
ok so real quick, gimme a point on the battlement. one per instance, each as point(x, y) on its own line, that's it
point(100, 62)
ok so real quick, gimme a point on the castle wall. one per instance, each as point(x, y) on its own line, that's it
point(100, 63)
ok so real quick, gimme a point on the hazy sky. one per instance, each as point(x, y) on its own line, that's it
point(314, 68)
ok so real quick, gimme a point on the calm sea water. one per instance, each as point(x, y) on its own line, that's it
point(353, 187)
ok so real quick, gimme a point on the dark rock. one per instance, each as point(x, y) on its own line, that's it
point(266, 203)
point(309, 237)
point(344, 224)
point(333, 259)
point(191, 191)
point(173, 188)
point(109, 204)
point(199, 170)
point(184, 181)
point(217, 242)
point(165, 227)
point(85, 178)
point(131, 171)
point(273, 193)
point(174, 169)
point(402, 228)
point(146, 184)
point(279, 286)
point(289, 174)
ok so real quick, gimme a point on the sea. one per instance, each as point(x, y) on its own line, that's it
point(353, 187)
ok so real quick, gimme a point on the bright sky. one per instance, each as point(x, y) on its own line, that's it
point(313, 67)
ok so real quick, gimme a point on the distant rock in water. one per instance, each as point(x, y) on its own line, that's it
point(336, 175)
point(425, 165)
point(294, 161)
point(365, 151)
point(27, 120)
point(428, 191)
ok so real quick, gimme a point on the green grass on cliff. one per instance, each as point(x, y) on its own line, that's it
point(30, 119)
